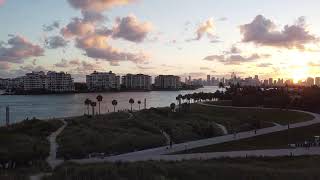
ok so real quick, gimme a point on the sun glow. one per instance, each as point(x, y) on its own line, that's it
point(299, 73)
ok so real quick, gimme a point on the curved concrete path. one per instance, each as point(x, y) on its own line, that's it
point(52, 158)
point(160, 152)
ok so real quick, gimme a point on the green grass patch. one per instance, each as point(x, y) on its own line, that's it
point(275, 140)
point(227, 169)
point(113, 134)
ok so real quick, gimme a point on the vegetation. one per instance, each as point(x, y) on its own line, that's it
point(117, 133)
point(24, 147)
point(275, 140)
point(114, 133)
point(283, 168)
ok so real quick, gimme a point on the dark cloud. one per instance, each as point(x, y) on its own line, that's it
point(97, 5)
point(51, 27)
point(92, 16)
point(262, 31)
point(215, 58)
point(18, 48)
point(55, 42)
point(4, 66)
point(129, 28)
point(235, 59)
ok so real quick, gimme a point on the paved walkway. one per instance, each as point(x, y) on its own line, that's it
point(52, 158)
point(160, 152)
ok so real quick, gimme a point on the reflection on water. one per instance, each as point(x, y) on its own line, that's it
point(49, 106)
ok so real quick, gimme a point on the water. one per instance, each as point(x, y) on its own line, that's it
point(53, 106)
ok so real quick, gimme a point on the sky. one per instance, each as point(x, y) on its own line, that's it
point(273, 38)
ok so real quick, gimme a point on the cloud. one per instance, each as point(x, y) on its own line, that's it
point(2, 2)
point(4, 66)
point(75, 62)
point(204, 68)
point(92, 16)
point(77, 27)
point(313, 64)
point(62, 64)
point(18, 48)
point(55, 42)
point(96, 46)
point(235, 59)
point(262, 31)
point(206, 28)
point(98, 5)
point(129, 28)
point(264, 65)
point(223, 19)
point(51, 27)
point(233, 50)
point(215, 58)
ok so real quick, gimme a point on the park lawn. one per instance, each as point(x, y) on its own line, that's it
point(114, 133)
point(24, 143)
point(276, 140)
point(280, 168)
point(220, 102)
point(238, 117)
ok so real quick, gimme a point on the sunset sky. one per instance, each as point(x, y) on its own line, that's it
point(182, 37)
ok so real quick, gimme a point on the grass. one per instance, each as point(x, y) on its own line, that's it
point(116, 133)
point(221, 102)
point(24, 143)
point(284, 168)
point(275, 140)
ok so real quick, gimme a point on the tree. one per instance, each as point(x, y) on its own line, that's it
point(93, 105)
point(114, 103)
point(99, 99)
point(221, 85)
point(87, 102)
point(139, 102)
point(178, 98)
point(131, 101)
point(172, 107)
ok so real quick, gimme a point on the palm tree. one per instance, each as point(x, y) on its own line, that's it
point(131, 101)
point(221, 85)
point(139, 102)
point(114, 103)
point(93, 105)
point(172, 107)
point(99, 99)
point(87, 102)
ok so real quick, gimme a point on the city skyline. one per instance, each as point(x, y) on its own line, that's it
point(128, 37)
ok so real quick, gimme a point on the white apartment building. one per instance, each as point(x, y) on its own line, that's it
point(168, 82)
point(103, 81)
point(59, 82)
point(34, 81)
point(136, 81)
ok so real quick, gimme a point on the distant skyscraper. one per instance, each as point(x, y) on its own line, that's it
point(310, 81)
point(270, 81)
point(318, 81)
point(208, 80)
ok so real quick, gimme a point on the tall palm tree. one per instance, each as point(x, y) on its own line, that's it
point(93, 105)
point(99, 99)
point(139, 102)
point(131, 101)
point(172, 107)
point(114, 103)
point(87, 102)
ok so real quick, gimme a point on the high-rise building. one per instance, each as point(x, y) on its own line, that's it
point(310, 81)
point(270, 81)
point(167, 82)
point(136, 81)
point(317, 83)
point(103, 81)
point(59, 82)
point(208, 80)
point(34, 81)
